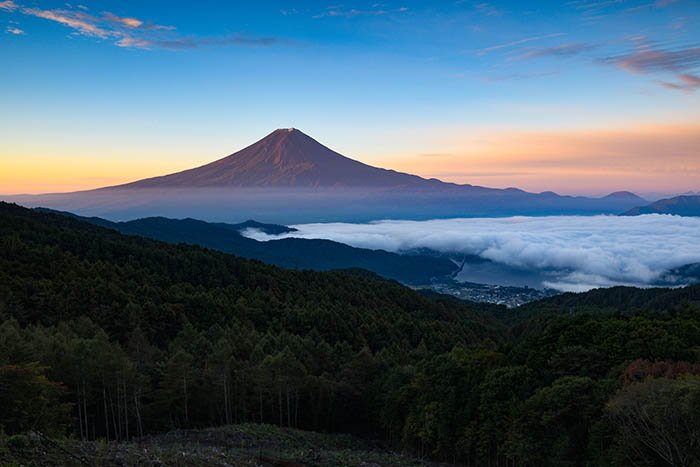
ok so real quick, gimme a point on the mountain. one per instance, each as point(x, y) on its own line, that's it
point(288, 177)
point(284, 158)
point(680, 206)
point(624, 196)
point(294, 253)
point(270, 229)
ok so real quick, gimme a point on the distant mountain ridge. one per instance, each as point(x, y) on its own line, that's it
point(288, 177)
point(624, 195)
point(679, 205)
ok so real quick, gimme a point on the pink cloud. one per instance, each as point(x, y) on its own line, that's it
point(133, 42)
point(128, 22)
point(81, 22)
point(646, 59)
point(686, 82)
point(8, 5)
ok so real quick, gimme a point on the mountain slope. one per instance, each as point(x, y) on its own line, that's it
point(295, 253)
point(284, 158)
point(680, 206)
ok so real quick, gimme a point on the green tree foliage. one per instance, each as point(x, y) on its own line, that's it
point(29, 401)
point(551, 427)
point(110, 336)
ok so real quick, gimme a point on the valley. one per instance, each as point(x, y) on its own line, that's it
point(509, 296)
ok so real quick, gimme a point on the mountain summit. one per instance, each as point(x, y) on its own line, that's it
point(285, 158)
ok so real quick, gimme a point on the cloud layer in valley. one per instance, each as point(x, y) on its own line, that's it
point(579, 253)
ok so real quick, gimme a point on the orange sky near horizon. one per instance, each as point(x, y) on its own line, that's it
point(645, 159)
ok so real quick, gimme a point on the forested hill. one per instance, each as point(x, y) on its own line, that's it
point(192, 337)
point(627, 300)
point(110, 336)
point(294, 253)
point(56, 268)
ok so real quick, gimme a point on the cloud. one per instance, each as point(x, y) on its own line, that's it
point(576, 252)
point(81, 22)
point(594, 10)
point(597, 8)
point(564, 50)
point(525, 40)
point(8, 5)
point(647, 59)
point(194, 42)
point(126, 30)
point(687, 83)
point(130, 32)
point(132, 42)
point(378, 9)
point(128, 22)
point(15, 31)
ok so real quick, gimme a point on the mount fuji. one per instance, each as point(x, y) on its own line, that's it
point(289, 177)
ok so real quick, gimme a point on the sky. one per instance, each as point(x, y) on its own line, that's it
point(577, 97)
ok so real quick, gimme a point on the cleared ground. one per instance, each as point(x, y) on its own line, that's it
point(236, 445)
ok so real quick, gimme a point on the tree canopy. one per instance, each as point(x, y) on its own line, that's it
point(109, 336)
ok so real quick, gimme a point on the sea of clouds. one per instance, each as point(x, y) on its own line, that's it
point(577, 252)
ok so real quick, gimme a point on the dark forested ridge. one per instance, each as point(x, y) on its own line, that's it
point(294, 253)
point(56, 268)
point(110, 336)
point(623, 300)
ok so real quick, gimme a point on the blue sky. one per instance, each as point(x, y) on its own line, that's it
point(106, 90)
